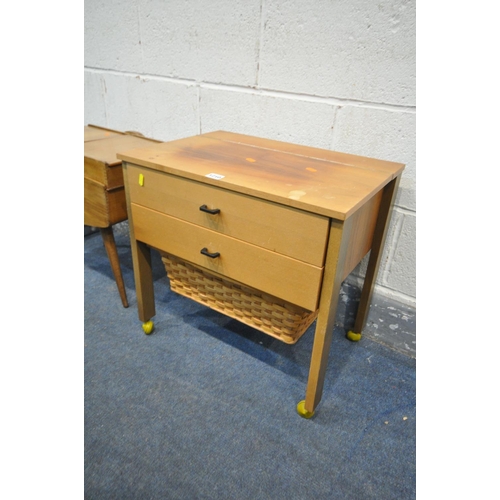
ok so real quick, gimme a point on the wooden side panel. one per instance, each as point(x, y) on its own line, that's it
point(95, 204)
point(380, 233)
point(94, 170)
point(285, 230)
point(114, 177)
point(361, 235)
point(98, 171)
point(117, 205)
point(103, 208)
point(283, 277)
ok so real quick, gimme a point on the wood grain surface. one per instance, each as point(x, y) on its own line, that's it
point(289, 175)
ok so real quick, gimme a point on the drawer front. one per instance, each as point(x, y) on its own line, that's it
point(278, 228)
point(289, 279)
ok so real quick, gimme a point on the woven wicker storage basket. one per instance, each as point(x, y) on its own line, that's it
point(280, 319)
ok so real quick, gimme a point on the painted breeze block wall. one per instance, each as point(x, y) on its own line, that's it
point(334, 74)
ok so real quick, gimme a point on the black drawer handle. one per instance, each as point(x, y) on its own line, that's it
point(214, 211)
point(205, 251)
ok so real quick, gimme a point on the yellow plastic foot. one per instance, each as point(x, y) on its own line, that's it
point(355, 337)
point(301, 410)
point(148, 327)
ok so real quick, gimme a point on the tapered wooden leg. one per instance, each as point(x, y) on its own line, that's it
point(378, 242)
point(330, 290)
point(143, 272)
point(110, 246)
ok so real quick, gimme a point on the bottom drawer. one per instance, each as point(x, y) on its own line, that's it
point(280, 319)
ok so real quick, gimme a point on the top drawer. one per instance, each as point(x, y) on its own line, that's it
point(288, 231)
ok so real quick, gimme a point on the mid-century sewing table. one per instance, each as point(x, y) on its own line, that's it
point(261, 230)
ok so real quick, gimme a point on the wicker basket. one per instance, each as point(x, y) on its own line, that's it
point(280, 319)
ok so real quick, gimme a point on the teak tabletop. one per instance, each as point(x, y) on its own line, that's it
point(321, 181)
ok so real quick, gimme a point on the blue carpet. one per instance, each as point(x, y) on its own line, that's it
point(204, 408)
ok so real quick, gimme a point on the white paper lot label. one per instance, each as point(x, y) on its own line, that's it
point(217, 177)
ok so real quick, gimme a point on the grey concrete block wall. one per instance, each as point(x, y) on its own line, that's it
point(350, 49)
point(332, 74)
